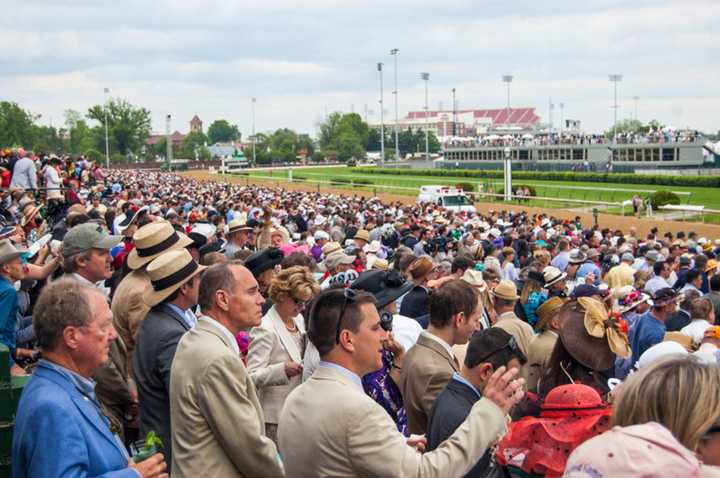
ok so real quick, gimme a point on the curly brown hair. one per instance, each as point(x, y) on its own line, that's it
point(296, 282)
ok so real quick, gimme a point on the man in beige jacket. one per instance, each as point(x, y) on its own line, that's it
point(217, 422)
point(505, 296)
point(330, 427)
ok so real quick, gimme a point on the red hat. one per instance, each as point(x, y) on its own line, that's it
point(571, 414)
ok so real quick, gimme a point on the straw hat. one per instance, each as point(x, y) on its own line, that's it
point(380, 265)
point(549, 309)
point(331, 247)
point(153, 239)
point(168, 273)
point(237, 225)
point(475, 279)
point(363, 235)
point(505, 290)
point(29, 211)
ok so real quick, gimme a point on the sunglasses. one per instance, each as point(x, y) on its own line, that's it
point(511, 344)
point(349, 296)
point(300, 303)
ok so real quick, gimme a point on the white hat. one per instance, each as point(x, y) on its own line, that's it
point(320, 235)
point(658, 351)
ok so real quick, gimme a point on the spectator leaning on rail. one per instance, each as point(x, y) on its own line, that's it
point(60, 429)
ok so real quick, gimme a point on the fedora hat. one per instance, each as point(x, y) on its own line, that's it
point(576, 256)
point(237, 225)
point(475, 279)
point(363, 235)
point(331, 247)
point(380, 265)
point(548, 310)
point(8, 252)
point(505, 290)
point(260, 261)
point(153, 239)
point(168, 273)
point(552, 275)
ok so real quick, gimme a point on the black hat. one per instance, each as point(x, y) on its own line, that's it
point(263, 260)
point(663, 297)
point(585, 290)
point(386, 286)
point(215, 246)
point(198, 240)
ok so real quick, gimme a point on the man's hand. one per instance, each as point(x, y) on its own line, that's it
point(419, 442)
point(153, 467)
point(392, 345)
point(503, 389)
point(292, 369)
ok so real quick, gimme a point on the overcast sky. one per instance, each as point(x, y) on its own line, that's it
point(303, 58)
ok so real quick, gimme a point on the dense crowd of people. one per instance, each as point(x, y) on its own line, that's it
point(572, 138)
point(195, 328)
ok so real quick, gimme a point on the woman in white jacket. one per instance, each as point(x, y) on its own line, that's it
point(277, 345)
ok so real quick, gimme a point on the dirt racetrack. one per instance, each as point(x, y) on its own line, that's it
point(643, 225)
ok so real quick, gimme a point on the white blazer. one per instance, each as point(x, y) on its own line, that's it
point(271, 345)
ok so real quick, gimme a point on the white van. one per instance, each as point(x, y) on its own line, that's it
point(450, 198)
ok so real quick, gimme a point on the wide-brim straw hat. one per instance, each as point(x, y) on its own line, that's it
point(363, 235)
point(168, 273)
point(549, 309)
point(237, 225)
point(29, 213)
point(153, 239)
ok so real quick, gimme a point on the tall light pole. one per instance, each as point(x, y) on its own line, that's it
point(253, 130)
point(454, 112)
point(382, 117)
point(426, 78)
point(635, 99)
point(168, 142)
point(562, 107)
point(107, 142)
point(551, 107)
point(507, 79)
point(394, 52)
point(615, 78)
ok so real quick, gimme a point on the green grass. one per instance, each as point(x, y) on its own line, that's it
point(708, 197)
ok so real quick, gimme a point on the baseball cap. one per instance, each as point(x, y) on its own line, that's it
point(84, 237)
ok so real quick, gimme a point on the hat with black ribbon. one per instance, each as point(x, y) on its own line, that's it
point(168, 273)
point(153, 239)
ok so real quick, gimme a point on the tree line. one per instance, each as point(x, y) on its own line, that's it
point(341, 137)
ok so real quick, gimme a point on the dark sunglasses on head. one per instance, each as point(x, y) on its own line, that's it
point(349, 296)
point(511, 344)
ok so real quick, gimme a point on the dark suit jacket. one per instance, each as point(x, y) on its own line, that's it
point(416, 303)
point(450, 410)
point(427, 368)
point(677, 321)
point(155, 346)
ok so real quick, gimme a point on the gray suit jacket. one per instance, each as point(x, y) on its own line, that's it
point(218, 425)
point(330, 427)
point(157, 340)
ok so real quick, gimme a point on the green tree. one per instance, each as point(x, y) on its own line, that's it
point(262, 155)
point(283, 145)
point(128, 125)
point(16, 125)
point(46, 139)
point(345, 134)
point(631, 126)
point(305, 142)
point(81, 137)
point(220, 131)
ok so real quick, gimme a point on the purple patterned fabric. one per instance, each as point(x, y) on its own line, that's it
point(381, 388)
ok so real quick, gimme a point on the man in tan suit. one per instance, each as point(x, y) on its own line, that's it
point(541, 347)
point(128, 307)
point(505, 295)
point(217, 422)
point(330, 427)
point(428, 366)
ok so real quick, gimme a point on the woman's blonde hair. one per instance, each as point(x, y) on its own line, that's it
point(296, 282)
point(529, 287)
point(682, 394)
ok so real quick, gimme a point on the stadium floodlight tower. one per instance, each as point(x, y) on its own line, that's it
point(107, 141)
point(382, 117)
point(507, 175)
point(426, 77)
point(507, 79)
point(615, 78)
point(394, 52)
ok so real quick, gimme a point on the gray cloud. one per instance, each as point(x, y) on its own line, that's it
point(301, 59)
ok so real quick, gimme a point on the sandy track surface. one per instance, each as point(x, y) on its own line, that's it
point(643, 225)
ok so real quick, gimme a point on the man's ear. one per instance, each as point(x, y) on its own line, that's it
point(458, 318)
